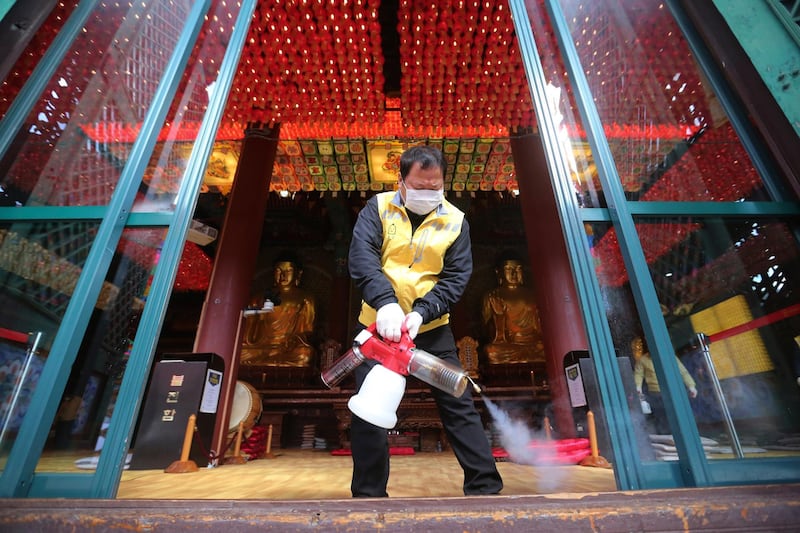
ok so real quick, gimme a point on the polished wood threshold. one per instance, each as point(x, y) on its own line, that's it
point(730, 509)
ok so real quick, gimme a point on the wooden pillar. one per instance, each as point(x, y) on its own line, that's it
point(556, 297)
point(235, 263)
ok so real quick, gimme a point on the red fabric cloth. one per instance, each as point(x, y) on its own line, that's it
point(394, 450)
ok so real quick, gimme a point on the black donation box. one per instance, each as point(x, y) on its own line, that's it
point(181, 385)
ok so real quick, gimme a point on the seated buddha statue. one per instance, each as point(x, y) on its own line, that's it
point(278, 333)
point(512, 318)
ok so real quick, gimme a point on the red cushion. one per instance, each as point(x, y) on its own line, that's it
point(499, 453)
point(401, 450)
point(552, 452)
point(564, 458)
point(560, 445)
point(341, 451)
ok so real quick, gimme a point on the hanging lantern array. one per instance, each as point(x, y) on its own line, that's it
point(311, 61)
point(319, 66)
point(317, 69)
point(461, 66)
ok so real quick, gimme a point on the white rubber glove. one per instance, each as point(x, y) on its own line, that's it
point(412, 323)
point(389, 321)
point(692, 392)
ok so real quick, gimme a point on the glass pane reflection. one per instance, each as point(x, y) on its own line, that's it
point(728, 290)
point(107, 80)
point(39, 266)
point(670, 137)
point(90, 395)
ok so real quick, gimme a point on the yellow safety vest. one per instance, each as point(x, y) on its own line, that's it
point(412, 262)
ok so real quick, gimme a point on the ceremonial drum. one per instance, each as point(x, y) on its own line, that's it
point(246, 408)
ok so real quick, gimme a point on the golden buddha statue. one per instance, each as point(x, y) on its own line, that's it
point(278, 333)
point(512, 317)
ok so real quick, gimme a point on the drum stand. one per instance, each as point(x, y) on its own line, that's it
point(237, 458)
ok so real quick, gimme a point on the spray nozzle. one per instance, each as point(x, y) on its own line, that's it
point(475, 386)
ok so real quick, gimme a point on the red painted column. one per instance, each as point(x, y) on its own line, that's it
point(562, 324)
point(338, 322)
point(340, 296)
point(234, 267)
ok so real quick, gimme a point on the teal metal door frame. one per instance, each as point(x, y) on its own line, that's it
point(777, 58)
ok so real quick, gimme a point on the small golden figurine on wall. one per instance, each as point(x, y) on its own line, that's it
point(511, 316)
point(278, 333)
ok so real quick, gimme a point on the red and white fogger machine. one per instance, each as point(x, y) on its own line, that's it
point(383, 388)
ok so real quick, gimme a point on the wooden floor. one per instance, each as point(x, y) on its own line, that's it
point(294, 474)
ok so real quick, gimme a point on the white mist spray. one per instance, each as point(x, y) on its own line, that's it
point(516, 438)
point(515, 435)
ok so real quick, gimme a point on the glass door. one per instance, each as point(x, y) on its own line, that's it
point(104, 145)
point(685, 239)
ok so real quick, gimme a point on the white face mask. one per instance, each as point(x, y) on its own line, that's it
point(423, 201)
